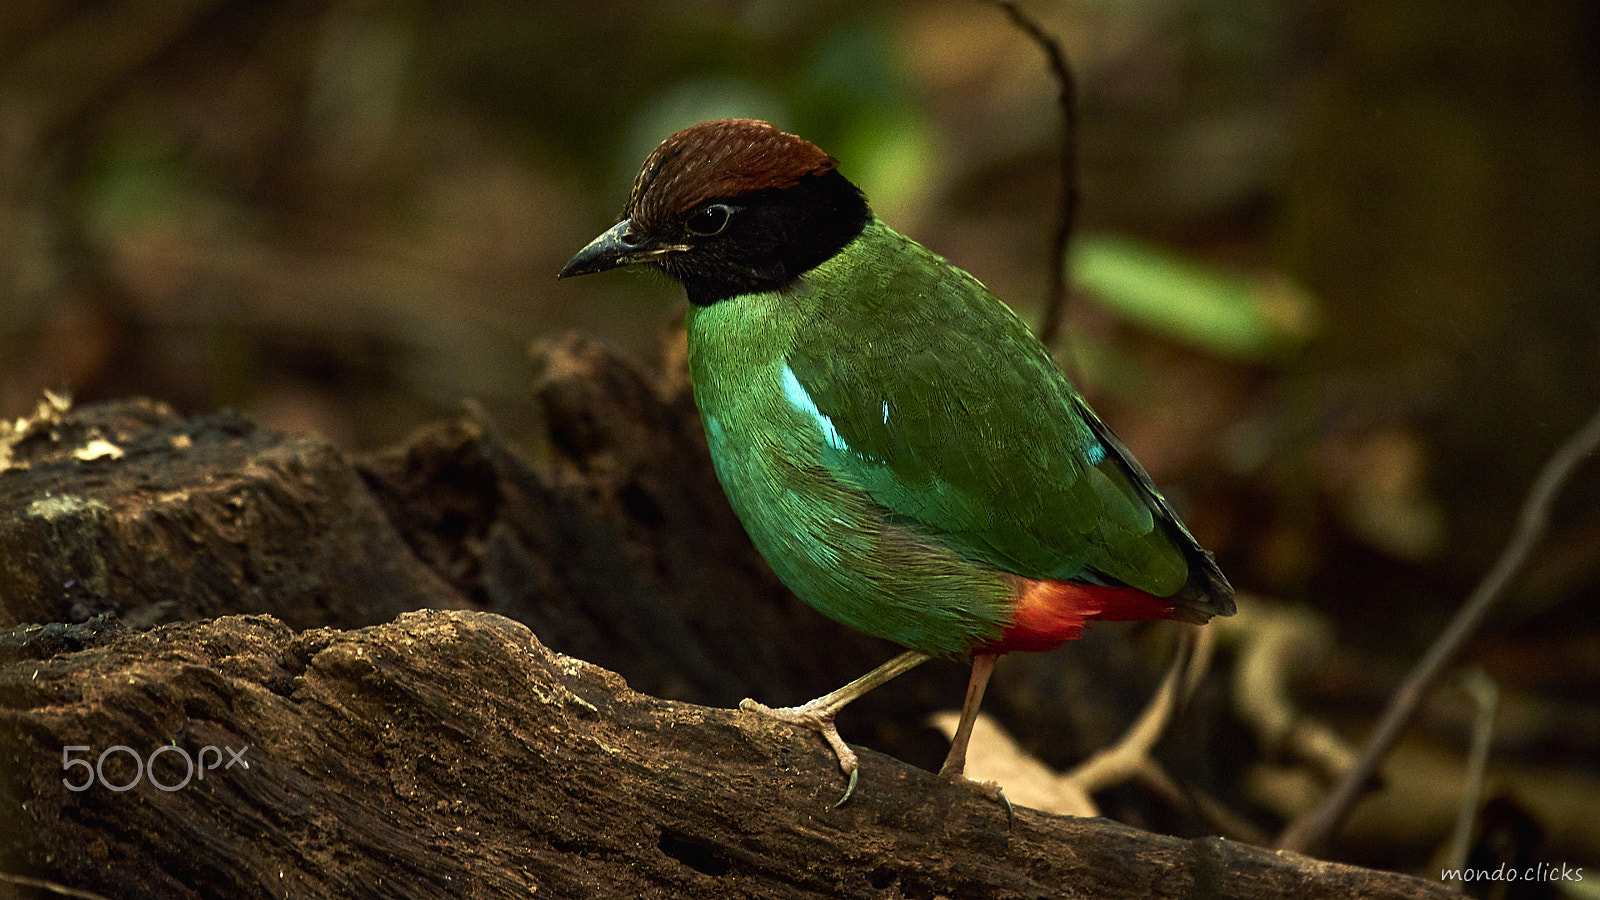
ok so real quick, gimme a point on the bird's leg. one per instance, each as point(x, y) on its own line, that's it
point(818, 714)
point(955, 764)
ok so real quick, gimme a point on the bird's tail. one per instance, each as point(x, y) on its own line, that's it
point(1207, 593)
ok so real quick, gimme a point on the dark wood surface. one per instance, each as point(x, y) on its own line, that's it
point(450, 754)
point(222, 585)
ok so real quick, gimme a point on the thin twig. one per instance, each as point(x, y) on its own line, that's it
point(1055, 310)
point(1316, 826)
point(1486, 696)
point(1278, 642)
point(1123, 760)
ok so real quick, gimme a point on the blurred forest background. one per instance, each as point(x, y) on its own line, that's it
point(1339, 259)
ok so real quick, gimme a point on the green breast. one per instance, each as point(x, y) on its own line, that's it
point(895, 441)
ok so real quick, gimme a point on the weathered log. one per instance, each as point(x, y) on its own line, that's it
point(450, 754)
point(129, 508)
point(435, 755)
point(622, 550)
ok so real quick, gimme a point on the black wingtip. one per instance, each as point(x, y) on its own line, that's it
point(1207, 592)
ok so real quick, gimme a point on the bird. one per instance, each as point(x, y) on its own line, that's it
point(901, 449)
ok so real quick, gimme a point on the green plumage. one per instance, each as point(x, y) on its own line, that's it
point(903, 452)
point(895, 441)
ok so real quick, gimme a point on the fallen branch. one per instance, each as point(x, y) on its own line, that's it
point(1277, 643)
point(449, 753)
point(1313, 829)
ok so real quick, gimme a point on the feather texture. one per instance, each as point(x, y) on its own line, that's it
point(905, 454)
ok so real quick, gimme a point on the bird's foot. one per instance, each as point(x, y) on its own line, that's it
point(819, 718)
point(989, 790)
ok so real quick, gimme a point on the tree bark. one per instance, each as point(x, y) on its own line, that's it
point(450, 754)
point(447, 752)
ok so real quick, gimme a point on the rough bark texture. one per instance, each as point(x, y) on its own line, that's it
point(195, 518)
point(448, 752)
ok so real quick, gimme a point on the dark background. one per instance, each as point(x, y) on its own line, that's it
point(346, 218)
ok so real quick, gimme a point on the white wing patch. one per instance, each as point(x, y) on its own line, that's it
point(796, 394)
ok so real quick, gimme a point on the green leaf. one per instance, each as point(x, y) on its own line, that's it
point(1258, 318)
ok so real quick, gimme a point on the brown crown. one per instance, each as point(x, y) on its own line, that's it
point(725, 158)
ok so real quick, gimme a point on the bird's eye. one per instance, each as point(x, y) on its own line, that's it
point(710, 220)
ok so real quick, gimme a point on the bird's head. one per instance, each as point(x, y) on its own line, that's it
point(730, 207)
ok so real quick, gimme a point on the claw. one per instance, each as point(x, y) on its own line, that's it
point(820, 721)
point(989, 790)
point(855, 775)
point(818, 714)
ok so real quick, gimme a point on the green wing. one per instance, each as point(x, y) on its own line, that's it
point(948, 413)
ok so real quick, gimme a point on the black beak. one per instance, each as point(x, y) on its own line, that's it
point(617, 247)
